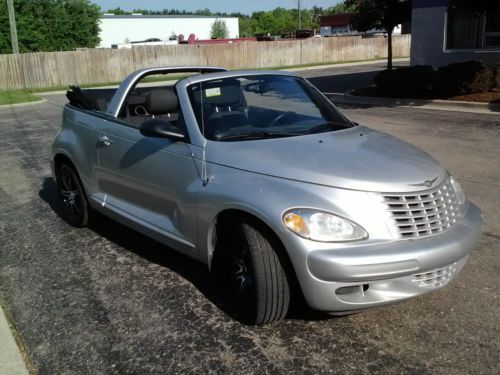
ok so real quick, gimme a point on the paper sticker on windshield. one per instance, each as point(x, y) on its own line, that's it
point(212, 92)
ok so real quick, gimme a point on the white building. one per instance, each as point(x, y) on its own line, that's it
point(126, 29)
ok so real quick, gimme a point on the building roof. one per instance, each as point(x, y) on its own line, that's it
point(336, 20)
point(140, 16)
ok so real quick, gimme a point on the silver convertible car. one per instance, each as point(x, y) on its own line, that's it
point(258, 175)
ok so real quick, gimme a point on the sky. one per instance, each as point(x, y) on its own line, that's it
point(242, 6)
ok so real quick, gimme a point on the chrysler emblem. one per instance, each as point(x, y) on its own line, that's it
point(427, 183)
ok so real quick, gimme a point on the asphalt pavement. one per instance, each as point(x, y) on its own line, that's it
point(107, 300)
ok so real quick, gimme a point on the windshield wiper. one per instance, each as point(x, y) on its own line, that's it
point(254, 135)
point(328, 126)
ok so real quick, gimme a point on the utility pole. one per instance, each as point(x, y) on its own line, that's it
point(300, 23)
point(13, 28)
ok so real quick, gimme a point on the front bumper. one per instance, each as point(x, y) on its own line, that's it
point(356, 277)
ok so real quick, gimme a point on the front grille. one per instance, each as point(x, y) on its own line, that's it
point(422, 214)
point(437, 277)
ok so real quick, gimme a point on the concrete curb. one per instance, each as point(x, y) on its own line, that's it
point(443, 105)
point(27, 104)
point(11, 360)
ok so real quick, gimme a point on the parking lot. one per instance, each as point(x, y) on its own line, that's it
point(108, 300)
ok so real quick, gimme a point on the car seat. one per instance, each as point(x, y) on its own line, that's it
point(224, 106)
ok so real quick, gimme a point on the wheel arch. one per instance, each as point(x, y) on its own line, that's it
point(230, 216)
point(62, 158)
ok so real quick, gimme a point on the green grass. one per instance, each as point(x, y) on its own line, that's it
point(17, 96)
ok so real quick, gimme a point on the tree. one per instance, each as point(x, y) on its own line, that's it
point(279, 21)
point(51, 25)
point(341, 8)
point(219, 29)
point(380, 14)
point(247, 26)
point(120, 12)
point(284, 21)
point(314, 15)
point(264, 22)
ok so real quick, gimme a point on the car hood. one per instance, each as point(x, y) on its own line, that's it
point(357, 158)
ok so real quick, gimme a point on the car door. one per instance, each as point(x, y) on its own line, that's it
point(148, 182)
point(78, 135)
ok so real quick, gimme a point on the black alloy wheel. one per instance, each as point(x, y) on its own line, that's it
point(258, 283)
point(72, 196)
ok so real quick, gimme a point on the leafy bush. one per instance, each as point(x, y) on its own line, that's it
point(496, 74)
point(424, 82)
point(406, 82)
point(463, 78)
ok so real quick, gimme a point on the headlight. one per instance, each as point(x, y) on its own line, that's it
point(459, 192)
point(322, 226)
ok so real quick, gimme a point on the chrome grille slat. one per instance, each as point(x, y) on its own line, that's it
point(405, 206)
point(436, 277)
point(406, 200)
point(415, 208)
point(426, 226)
point(422, 214)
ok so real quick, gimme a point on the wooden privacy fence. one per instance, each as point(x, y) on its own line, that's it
point(52, 69)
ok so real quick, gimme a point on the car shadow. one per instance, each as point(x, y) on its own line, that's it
point(335, 86)
point(343, 82)
point(192, 270)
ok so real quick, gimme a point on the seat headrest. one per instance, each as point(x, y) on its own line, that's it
point(162, 101)
point(222, 93)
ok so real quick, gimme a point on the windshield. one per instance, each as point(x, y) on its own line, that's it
point(262, 106)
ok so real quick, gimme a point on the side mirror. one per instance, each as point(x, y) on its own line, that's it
point(259, 87)
point(253, 87)
point(160, 129)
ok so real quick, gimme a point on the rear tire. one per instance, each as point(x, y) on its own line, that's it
point(258, 281)
point(72, 196)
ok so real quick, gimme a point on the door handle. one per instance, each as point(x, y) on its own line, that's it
point(105, 140)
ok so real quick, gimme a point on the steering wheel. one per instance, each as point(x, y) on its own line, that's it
point(281, 117)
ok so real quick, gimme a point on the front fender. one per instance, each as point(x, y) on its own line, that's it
point(231, 189)
point(267, 198)
point(262, 196)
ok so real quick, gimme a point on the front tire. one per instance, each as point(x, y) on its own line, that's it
point(72, 196)
point(258, 280)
